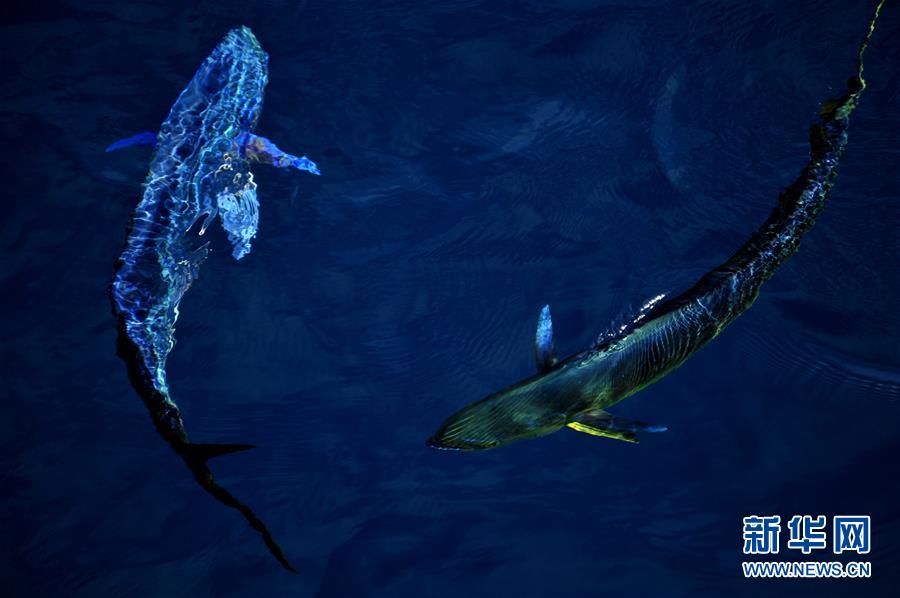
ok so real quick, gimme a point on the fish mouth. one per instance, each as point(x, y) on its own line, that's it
point(452, 444)
point(435, 444)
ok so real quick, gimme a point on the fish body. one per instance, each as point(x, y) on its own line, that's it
point(576, 391)
point(200, 169)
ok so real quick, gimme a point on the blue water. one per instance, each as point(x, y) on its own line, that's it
point(479, 160)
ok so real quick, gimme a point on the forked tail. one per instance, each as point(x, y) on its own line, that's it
point(196, 457)
point(168, 423)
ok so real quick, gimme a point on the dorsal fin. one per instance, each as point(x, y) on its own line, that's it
point(544, 351)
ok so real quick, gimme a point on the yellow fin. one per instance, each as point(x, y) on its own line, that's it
point(625, 435)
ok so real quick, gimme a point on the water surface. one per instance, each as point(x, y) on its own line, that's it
point(479, 159)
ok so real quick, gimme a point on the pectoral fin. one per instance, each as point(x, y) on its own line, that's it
point(593, 431)
point(601, 423)
point(544, 351)
point(260, 149)
point(145, 138)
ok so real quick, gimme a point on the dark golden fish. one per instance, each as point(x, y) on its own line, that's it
point(575, 392)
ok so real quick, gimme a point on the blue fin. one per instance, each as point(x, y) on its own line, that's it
point(601, 423)
point(145, 138)
point(262, 150)
point(544, 351)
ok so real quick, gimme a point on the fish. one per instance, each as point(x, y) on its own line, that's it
point(200, 170)
point(576, 392)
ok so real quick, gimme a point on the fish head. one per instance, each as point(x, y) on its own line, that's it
point(527, 410)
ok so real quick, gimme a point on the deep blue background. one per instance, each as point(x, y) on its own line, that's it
point(479, 159)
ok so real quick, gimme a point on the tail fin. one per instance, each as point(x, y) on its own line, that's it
point(201, 453)
point(226, 498)
point(196, 455)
